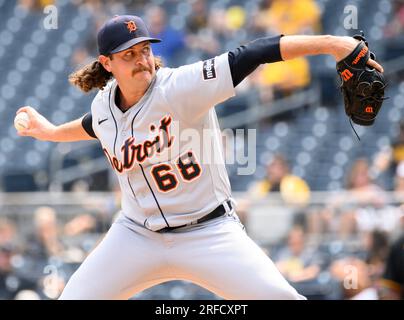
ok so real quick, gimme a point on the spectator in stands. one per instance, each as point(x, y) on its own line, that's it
point(45, 242)
point(235, 18)
point(277, 169)
point(81, 224)
point(353, 274)
point(397, 147)
point(10, 281)
point(281, 79)
point(391, 286)
point(364, 195)
point(51, 286)
point(287, 17)
point(388, 158)
point(393, 33)
point(293, 189)
point(103, 9)
point(359, 274)
point(396, 25)
point(6, 270)
point(376, 247)
point(88, 50)
point(208, 41)
point(8, 233)
point(198, 19)
point(361, 186)
point(371, 210)
point(223, 25)
point(399, 180)
point(174, 40)
point(94, 218)
point(348, 213)
point(84, 223)
point(36, 5)
point(398, 197)
point(298, 261)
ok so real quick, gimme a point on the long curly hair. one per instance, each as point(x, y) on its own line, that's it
point(94, 75)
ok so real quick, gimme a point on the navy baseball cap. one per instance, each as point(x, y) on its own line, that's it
point(121, 33)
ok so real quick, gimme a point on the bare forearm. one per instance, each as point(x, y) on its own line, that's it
point(69, 132)
point(302, 45)
point(40, 128)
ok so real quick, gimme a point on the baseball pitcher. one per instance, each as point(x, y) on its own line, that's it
point(178, 218)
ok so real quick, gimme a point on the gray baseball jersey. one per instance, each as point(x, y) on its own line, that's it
point(166, 150)
point(167, 153)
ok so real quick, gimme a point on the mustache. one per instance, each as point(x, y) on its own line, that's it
point(140, 69)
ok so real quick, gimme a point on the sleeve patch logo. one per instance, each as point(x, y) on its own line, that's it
point(209, 71)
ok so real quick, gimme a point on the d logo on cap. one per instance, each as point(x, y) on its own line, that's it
point(121, 33)
point(131, 26)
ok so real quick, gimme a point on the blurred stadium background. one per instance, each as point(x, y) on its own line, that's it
point(326, 207)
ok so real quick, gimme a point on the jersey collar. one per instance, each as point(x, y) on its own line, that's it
point(118, 112)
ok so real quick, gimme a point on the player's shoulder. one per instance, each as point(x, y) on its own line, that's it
point(163, 75)
point(204, 67)
point(166, 75)
point(103, 95)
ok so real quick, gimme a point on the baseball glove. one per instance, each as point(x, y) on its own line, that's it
point(362, 86)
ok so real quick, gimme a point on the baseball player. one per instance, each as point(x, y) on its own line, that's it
point(178, 218)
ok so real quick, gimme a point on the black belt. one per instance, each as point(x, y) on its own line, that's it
point(218, 212)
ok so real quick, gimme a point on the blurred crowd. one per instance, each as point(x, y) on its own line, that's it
point(348, 245)
point(41, 249)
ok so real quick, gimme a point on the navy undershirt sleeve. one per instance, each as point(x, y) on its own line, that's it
point(87, 123)
point(246, 58)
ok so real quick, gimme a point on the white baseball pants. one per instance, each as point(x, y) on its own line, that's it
point(216, 255)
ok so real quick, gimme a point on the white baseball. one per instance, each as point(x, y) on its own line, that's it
point(21, 121)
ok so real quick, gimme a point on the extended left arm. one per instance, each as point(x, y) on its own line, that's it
point(246, 58)
point(339, 47)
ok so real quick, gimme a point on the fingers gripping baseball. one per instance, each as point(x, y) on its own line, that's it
point(21, 121)
point(30, 122)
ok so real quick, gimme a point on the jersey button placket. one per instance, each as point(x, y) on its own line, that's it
point(124, 131)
